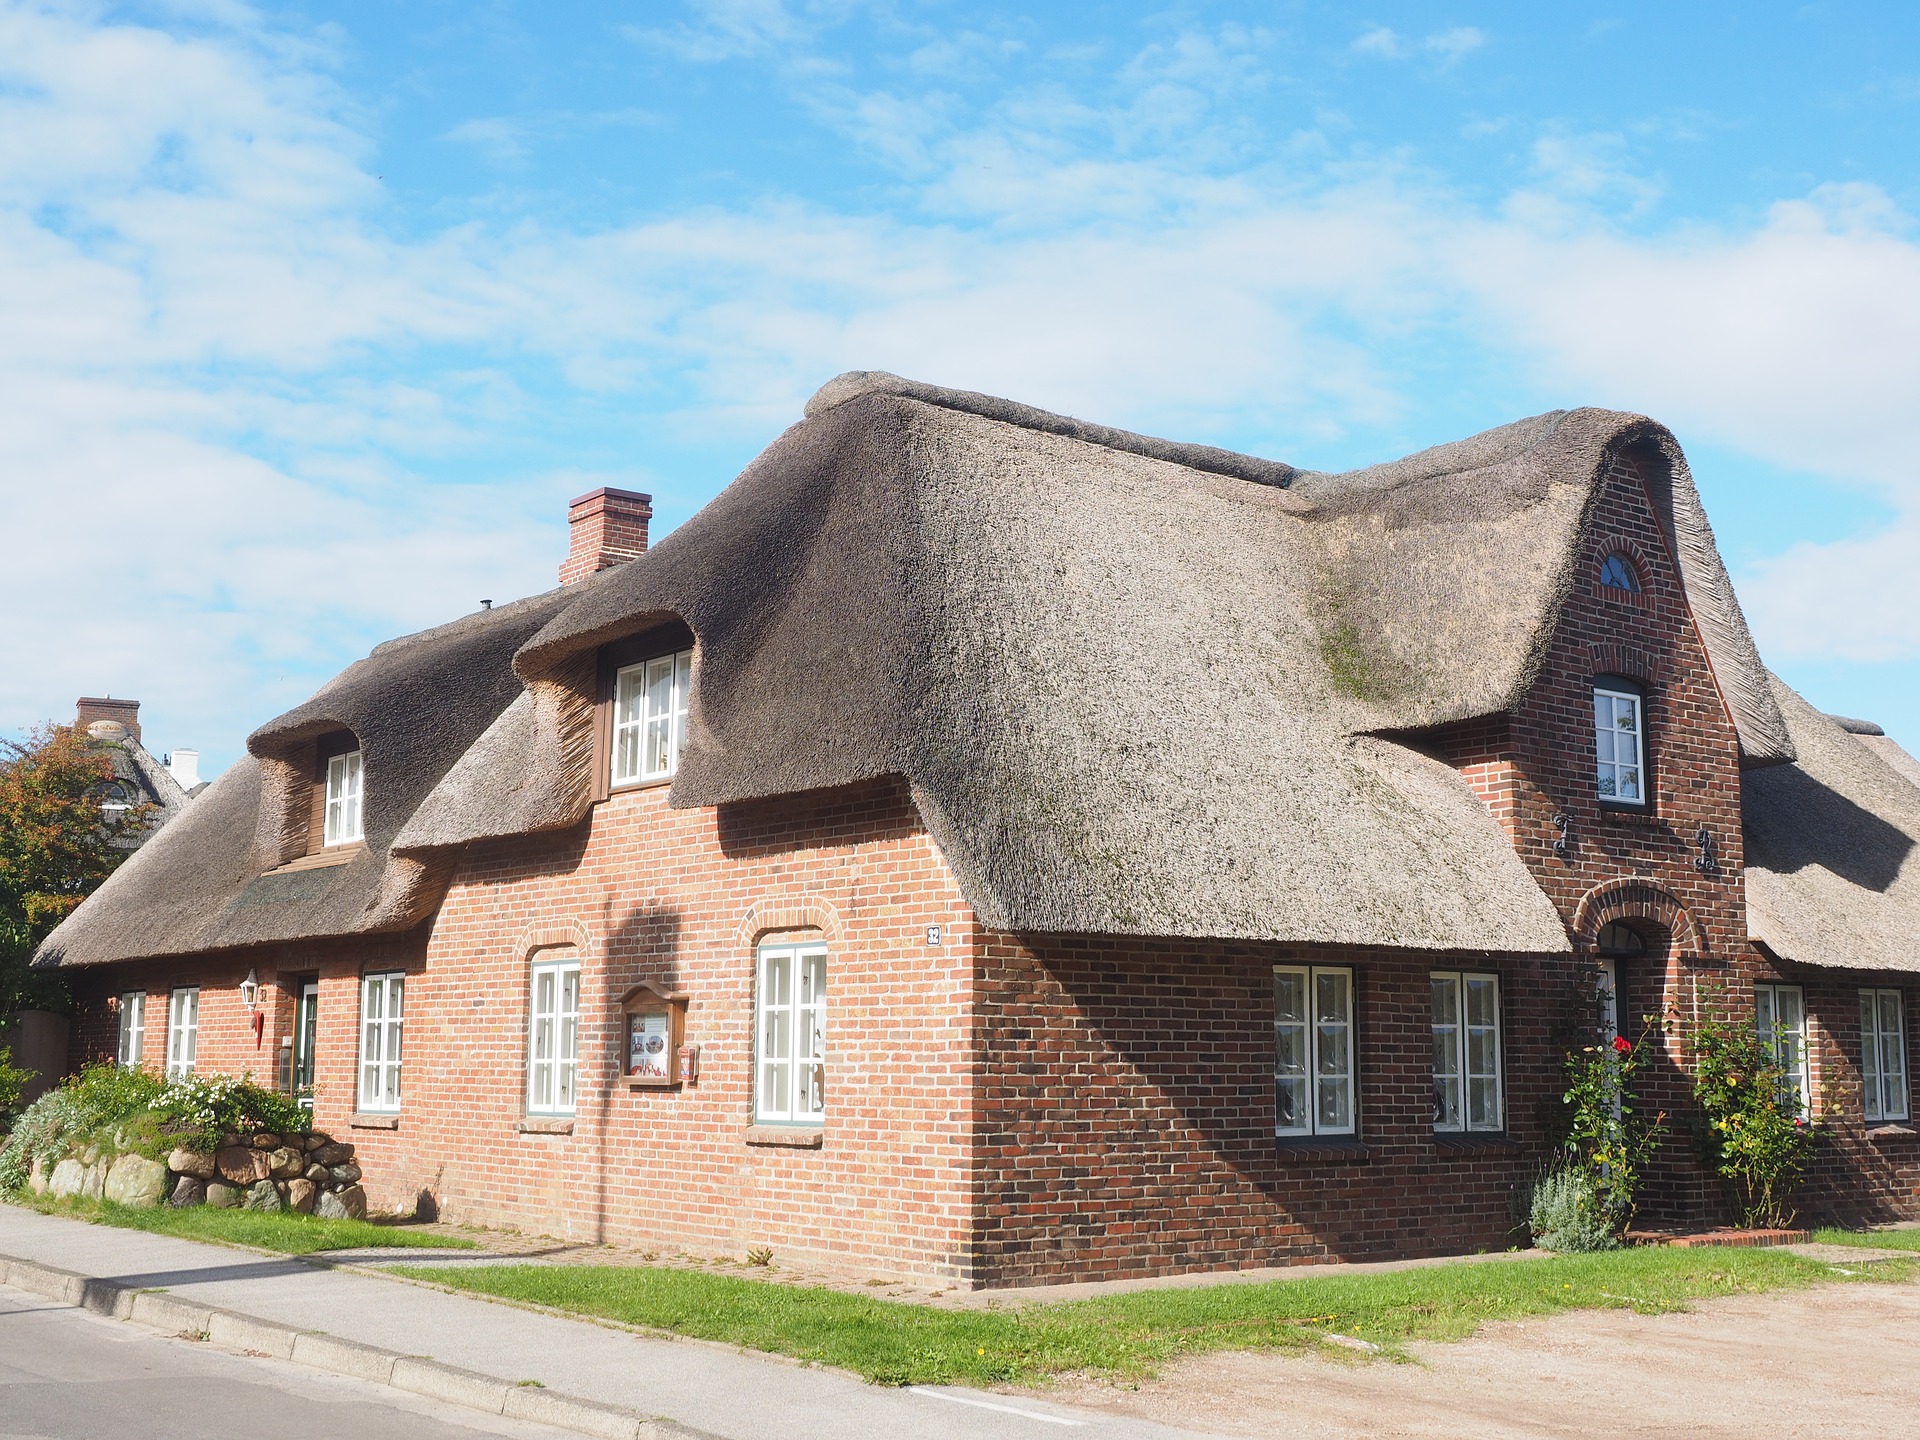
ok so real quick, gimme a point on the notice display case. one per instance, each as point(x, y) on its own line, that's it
point(655, 1052)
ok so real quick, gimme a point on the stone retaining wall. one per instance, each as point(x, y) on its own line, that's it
point(311, 1174)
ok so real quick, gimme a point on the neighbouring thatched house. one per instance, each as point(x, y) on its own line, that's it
point(993, 846)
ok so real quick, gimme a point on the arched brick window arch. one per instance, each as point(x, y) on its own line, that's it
point(1633, 898)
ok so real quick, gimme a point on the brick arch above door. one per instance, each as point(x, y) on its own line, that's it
point(1634, 897)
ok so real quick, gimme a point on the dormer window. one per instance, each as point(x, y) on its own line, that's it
point(1619, 722)
point(345, 778)
point(650, 717)
point(1617, 573)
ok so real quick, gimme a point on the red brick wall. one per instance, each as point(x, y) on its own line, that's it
point(1127, 1113)
point(678, 898)
point(1861, 1173)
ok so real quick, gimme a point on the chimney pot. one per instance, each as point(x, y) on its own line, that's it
point(122, 712)
point(608, 527)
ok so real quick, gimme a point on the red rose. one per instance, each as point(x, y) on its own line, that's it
point(1621, 1044)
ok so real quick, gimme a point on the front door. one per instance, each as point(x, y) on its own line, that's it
point(306, 1023)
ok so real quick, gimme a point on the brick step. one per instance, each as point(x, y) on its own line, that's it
point(1744, 1239)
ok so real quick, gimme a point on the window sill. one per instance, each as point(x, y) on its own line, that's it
point(624, 787)
point(322, 859)
point(365, 1120)
point(1495, 1141)
point(1342, 1151)
point(1899, 1131)
point(1630, 814)
point(642, 1082)
point(792, 1137)
point(544, 1125)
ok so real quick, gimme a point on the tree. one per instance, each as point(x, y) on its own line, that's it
point(57, 845)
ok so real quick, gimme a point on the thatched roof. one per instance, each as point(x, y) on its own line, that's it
point(1833, 846)
point(417, 704)
point(1136, 687)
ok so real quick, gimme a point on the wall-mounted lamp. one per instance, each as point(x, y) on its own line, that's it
point(250, 991)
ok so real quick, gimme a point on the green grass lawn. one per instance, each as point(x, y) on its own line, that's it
point(892, 1343)
point(286, 1232)
point(1871, 1239)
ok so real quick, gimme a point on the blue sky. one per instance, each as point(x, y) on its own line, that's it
point(312, 317)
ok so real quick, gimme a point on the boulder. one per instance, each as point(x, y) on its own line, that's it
point(318, 1174)
point(240, 1164)
point(335, 1154)
point(222, 1196)
point(301, 1194)
point(188, 1191)
point(266, 1140)
point(345, 1174)
point(69, 1178)
point(285, 1163)
point(261, 1196)
point(136, 1182)
point(314, 1140)
point(37, 1177)
point(347, 1204)
point(197, 1163)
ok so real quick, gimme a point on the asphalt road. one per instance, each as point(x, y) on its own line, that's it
point(66, 1374)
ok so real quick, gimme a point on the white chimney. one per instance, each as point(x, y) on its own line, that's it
point(184, 766)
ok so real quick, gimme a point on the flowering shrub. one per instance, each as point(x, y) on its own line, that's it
point(1751, 1131)
point(13, 1081)
point(121, 1109)
point(1609, 1139)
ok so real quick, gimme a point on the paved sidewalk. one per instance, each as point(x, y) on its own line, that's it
point(730, 1394)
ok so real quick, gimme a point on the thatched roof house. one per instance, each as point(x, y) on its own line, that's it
point(1078, 758)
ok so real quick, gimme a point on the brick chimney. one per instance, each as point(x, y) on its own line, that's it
point(609, 528)
point(123, 712)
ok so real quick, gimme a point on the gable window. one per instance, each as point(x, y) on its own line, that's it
point(650, 717)
point(1618, 722)
point(790, 1015)
point(1466, 1052)
point(380, 1012)
point(553, 1037)
point(1617, 573)
point(1780, 1014)
point(1883, 1056)
point(183, 1030)
point(133, 1028)
point(345, 775)
point(1313, 1050)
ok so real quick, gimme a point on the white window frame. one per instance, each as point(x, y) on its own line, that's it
point(790, 1033)
point(1606, 743)
point(553, 1037)
point(1786, 1040)
point(133, 1029)
point(346, 794)
point(1321, 1046)
point(183, 1030)
point(1883, 1057)
point(650, 723)
point(1454, 1032)
point(382, 1026)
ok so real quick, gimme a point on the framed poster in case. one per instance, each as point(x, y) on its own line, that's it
point(655, 1035)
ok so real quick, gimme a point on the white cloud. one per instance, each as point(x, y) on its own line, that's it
point(1381, 42)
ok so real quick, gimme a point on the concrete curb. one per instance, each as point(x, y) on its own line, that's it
point(317, 1350)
